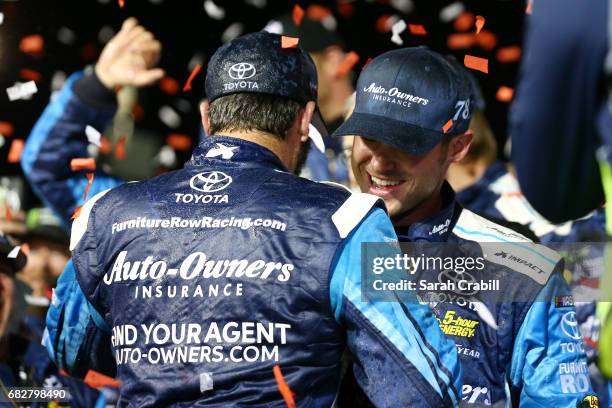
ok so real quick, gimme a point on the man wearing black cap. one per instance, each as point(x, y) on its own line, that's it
point(410, 123)
point(191, 286)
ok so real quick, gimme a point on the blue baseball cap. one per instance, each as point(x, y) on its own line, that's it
point(257, 63)
point(410, 98)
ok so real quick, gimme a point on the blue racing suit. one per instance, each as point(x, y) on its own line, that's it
point(89, 321)
point(523, 344)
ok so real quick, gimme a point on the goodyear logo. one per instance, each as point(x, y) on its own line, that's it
point(454, 325)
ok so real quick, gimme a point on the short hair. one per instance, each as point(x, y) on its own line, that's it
point(484, 145)
point(253, 112)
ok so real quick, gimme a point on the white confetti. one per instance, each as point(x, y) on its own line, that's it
point(166, 156)
point(316, 138)
point(206, 381)
point(405, 6)
point(231, 32)
point(257, 3)
point(274, 27)
point(215, 12)
point(451, 12)
point(169, 117)
point(14, 252)
point(93, 136)
point(22, 90)
point(2, 141)
point(330, 23)
point(105, 34)
point(1, 18)
point(66, 36)
point(197, 59)
point(57, 80)
point(183, 105)
point(398, 28)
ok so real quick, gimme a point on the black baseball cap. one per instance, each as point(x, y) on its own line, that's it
point(257, 63)
point(410, 98)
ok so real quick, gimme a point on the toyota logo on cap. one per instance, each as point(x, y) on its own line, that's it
point(210, 181)
point(242, 70)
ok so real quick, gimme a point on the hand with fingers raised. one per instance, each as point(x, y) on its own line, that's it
point(130, 57)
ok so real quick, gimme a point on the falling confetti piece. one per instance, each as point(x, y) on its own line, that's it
point(486, 40)
point(179, 141)
point(29, 74)
point(480, 22)
point(97, 380)
point(232, 31)
point(120, 148)
point(451, 12)
point(137, 112)
point(529, 8)
point(22, 90)
point(14, 154)
point(464, 22)
point(90, 178)
point(121, 3)
point(298, 15)
point(215, 12)
point(405, 6)
point(447, 126)
point(169, 117)
point(93, 136)
point(398, 28)
point(14, 252)
point(504, 94)
point(417, 29)
point(8, 215)
point(345, 9)
point(289, 42)
point(193, 74)
point(169, 85)
point(6, 128)
point(85, 163)
point(476, 63)
point(283, 387)
point(32, 45)
point(385, 22)
point(105, 145)
point(347, 64)
point(508, 54)
point(317, 12)
point(76, 213)
point(461, 41)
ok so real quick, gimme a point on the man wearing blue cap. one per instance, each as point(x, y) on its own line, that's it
point(410, 123)
point(191, 286)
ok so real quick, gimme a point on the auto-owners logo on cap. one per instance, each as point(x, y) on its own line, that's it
point(206, 182)
point(239, 72)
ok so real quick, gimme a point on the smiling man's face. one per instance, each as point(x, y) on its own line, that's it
point(408, 184)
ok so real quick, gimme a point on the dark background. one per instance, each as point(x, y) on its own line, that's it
point(186, 30)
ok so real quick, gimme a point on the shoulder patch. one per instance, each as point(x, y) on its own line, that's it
point(79, 226)
point(352, 211)
point(508, 248)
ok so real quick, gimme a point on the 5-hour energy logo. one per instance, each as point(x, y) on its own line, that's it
point(454, 325)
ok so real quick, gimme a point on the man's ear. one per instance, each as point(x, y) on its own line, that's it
point(459, 146)
point(205, 117)
point(305, 120)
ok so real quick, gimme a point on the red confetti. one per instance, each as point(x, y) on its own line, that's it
point(366, 63)
point(14, 154)
point(25, 248)
point(384, 23)
point(509, 54)
point(76, 213)
point(97, 380)
point(345, 9)
point(289, 42)
point(6, 129)
point(169, 85)
point(347, 64)
point(480, 22)
point(90, 178)
point(193, 74)
point(447, 126)
point(7, 214)
point(504, 94)
point(86, 163)
point(417, 29)
point(464, 22)
point(283, 387)
point(63, 373)
point(137, 112)
point(476, 63)
point(178, 141)
point(32, 45)
point(105, 145)
point(120, 148)
point(317, 12)
point(89, 52)
point(460, 41)
point(121, 3)
point(30, 74)
point(487, 40)
point(298, 15)
point(529, 8)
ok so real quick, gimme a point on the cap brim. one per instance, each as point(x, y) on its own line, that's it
point(401, 135)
